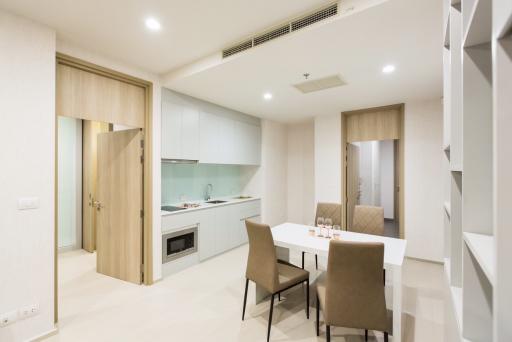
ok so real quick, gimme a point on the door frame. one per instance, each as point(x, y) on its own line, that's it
point(399, 142)
point(147, 226)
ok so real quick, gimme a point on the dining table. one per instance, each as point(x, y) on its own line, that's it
point(298, 238)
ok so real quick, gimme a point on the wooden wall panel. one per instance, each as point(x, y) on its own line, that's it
point(86, 95)
point(373, 125)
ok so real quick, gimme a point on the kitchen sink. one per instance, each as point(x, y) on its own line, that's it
point(242, 197)
point(216, 202)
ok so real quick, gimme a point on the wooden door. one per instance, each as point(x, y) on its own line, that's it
point(90, 132)
point(119, 219)
point(353, 186)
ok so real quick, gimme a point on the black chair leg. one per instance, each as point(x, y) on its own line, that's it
point(384, 275)
point(317, 317)
point(307, 299)
point(270, 316)
point(303, 259)
point(279, 296)
point(245, 297)
point(316, 261)
point(366, 334)
point(386, 337)
point(328, 333)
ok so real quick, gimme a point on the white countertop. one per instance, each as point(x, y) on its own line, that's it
point(203, 205)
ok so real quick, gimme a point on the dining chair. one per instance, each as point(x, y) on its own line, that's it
point(368, 220)
point(326, 210)
point(351, 293)
point(264, 269)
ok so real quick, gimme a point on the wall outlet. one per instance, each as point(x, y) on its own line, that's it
point(8, 318)
point(28, 311)
point(28, 203)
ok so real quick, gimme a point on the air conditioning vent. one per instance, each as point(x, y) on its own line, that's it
point(281, 31)
point(315, 17)
point(284, 29)
point(320, 84)
point(237, 48)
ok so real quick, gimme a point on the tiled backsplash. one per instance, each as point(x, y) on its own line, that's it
point(187, 182)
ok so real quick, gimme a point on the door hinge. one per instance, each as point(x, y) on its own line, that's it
point(142, 144)
point(141, 213)
point(142, 159)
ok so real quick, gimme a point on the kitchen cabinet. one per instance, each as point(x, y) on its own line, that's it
point(220, 228)
point(247, 144)
point(180, 132)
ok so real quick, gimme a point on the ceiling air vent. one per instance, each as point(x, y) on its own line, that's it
point(315, 17)
point(320, 84)
point(237, 48)
point(278, 32)
point(284, 29)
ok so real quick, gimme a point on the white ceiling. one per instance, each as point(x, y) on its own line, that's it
point(190, 28)
point(406, 33)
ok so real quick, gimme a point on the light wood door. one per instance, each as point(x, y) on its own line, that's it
point(90, 132)
point(119, 219)
point(353, 190)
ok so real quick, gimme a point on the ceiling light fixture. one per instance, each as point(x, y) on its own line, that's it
point(153, 24)
point(267, 96)
point(388, 69)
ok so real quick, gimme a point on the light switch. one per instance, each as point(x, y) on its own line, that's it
point(28, 203)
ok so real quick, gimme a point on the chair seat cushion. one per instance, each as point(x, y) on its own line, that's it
point(290, 275)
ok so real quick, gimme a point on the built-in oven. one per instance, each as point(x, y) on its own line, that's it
point(179, 243)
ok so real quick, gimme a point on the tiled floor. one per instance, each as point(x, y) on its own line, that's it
point(203, 303)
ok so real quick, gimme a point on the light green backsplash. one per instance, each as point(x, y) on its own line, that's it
point(189, 181)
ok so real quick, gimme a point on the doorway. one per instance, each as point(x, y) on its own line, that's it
point(106, 115)
point(373, 164)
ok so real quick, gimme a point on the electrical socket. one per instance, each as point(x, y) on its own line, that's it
point(28, 311)
point(8, 318)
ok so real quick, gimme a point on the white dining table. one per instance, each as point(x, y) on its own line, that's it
point(296, 237)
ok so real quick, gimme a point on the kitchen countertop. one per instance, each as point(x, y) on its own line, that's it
point(230, 200)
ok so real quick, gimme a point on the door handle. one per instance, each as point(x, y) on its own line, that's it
point(97, 205)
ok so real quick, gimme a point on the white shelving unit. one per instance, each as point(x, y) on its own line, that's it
point(477, 141)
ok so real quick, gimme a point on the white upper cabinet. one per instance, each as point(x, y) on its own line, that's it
point(180, 132)
point(227, 141)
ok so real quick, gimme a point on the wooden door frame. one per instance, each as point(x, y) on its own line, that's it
point(400, 107)
point(147, 228)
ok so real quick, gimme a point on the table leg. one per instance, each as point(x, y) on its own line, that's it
point(397, 304)
point(282, 254)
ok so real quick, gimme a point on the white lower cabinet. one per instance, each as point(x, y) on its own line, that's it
point(220, 228)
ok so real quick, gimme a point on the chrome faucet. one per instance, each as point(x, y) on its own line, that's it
point(208, 193)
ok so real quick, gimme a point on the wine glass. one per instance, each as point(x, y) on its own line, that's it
point(320, 224)
point(328, 225)
point(336, 232)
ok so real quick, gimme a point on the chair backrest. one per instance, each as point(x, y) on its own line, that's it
point(329, 210)
point(368, 220)
point(262, 260)
point(354, 290)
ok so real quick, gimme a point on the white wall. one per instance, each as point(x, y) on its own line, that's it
point(301, 172)
point(273, 172)
point(89, 56)
point(328, 167)
point(423, 195)
point(27, 113)
point(69, 182)
point(422, 180)
point(387, 178)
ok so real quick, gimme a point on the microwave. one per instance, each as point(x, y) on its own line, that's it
point(179, 243)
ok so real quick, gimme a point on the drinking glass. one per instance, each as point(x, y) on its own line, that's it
point(336, 232)
point(328, 226)
point(320, 225)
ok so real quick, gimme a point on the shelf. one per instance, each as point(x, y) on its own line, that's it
point(478, 29)
point(482, 248)
point(447, 208)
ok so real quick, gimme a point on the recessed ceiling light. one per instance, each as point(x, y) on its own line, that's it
point(388, 69)
point(153, 24)
point(267, 96)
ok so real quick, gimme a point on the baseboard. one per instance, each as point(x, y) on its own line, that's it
point(47, 334)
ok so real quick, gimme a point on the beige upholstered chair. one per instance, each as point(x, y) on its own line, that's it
point(352, 294)
point(326, 210)
point(264, 269)
point(368, 220)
